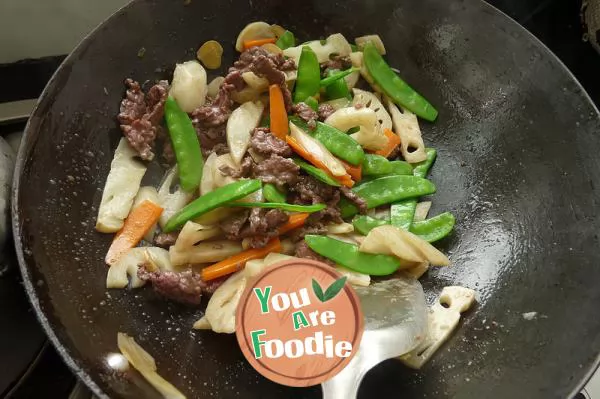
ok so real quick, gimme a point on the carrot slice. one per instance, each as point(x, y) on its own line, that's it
point(237, 262)
point(346, 179)
point(296, 220)
point(278, 114)
point(354, 171)
point(137, 224)
point(393, 142)
point(258, 42)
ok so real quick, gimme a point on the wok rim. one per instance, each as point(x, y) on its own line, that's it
point(65, 354)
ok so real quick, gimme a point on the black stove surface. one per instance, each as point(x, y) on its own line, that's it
point(39, 370)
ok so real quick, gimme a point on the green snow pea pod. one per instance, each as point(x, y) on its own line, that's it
point(286, 40)
point(397, 89)
point(316, 173)
point(279, 205)
point(212, 200)
point(364, 224)
point(349, 256)
point(402, 213)
point(272, 193)
point(337, 89)
point(385, 190)
point(435, 228)
point(422, 168)
point(377, 165)
point(333, 75)
point(313, 103)
point(308, 82)
point(337, 142)
point(185, 145)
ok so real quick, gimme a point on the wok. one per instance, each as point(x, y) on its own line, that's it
point(518, 165)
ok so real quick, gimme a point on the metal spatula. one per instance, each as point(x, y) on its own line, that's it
point(395, 323)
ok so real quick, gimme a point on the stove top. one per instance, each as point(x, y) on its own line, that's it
point(31, 368)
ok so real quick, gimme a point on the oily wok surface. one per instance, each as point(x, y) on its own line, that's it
point(517, 165)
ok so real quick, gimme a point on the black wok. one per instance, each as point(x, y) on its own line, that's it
point(518, 165)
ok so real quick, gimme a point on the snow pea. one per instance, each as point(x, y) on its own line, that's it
point(212, 200)
point(378, 165)
point(349, 256)
point(397, 89)
point(286, 40)
point(279, 205)
point(364, 224)
point(312, 102)
point(435, 228)
point(272, 193)
point(336, 89)
point(308, 82)
point(334, 75)
point(185, 145)
point(431, 230)
point(316, 173)
point(403, 212)
point(337, 142)
point(421, 169)
point(385, 190)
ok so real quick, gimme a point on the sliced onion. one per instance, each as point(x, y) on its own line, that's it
point(240, 125)
point(192, 233)
point(253, 31)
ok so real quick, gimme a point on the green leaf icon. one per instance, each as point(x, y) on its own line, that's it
point(330, 292)
point(318, 290)
point(334, 289)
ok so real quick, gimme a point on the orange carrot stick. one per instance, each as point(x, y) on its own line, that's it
point(237, 262)
point(354, 171)
point(258, 42)
point(346, 179)
point(279, 118)
point(393, 142)
point(137, 224)
point(296, 220)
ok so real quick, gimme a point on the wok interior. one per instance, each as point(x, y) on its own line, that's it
point(516, 165)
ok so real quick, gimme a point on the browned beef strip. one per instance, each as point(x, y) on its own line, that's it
point(339, 63)
point(267, 65)
point(185, 287)
point(165, 240)
point(395, 152)
point(299, 233)
point(232, 226)
point(264, 143)
point(304, 251)
point(277, 170)
point(260, 225)
point(308, 190)
point(360, 203)
point(307, 114)
point(245, 169)
point(140, 116)
point(325, 110)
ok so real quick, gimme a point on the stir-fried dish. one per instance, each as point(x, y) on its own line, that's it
point(311, 151)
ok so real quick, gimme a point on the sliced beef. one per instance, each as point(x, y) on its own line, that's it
point(339, 63)
point(232, 226)
point(277, 170)
point(267, 65)
point(264, 143)
point(325, 110)
point(245, 169)
point(165, 240)
point(140, 116)
point(211, 138)
point(304, 251)
point(260, 225)
point(307, 114)
point(360, 203)
point(308, 190)
point(314, 228)
point(185, 287)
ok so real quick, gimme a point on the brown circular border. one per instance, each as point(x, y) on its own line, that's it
point(274, 375)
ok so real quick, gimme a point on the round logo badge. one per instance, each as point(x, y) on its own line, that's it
point(299, 323)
